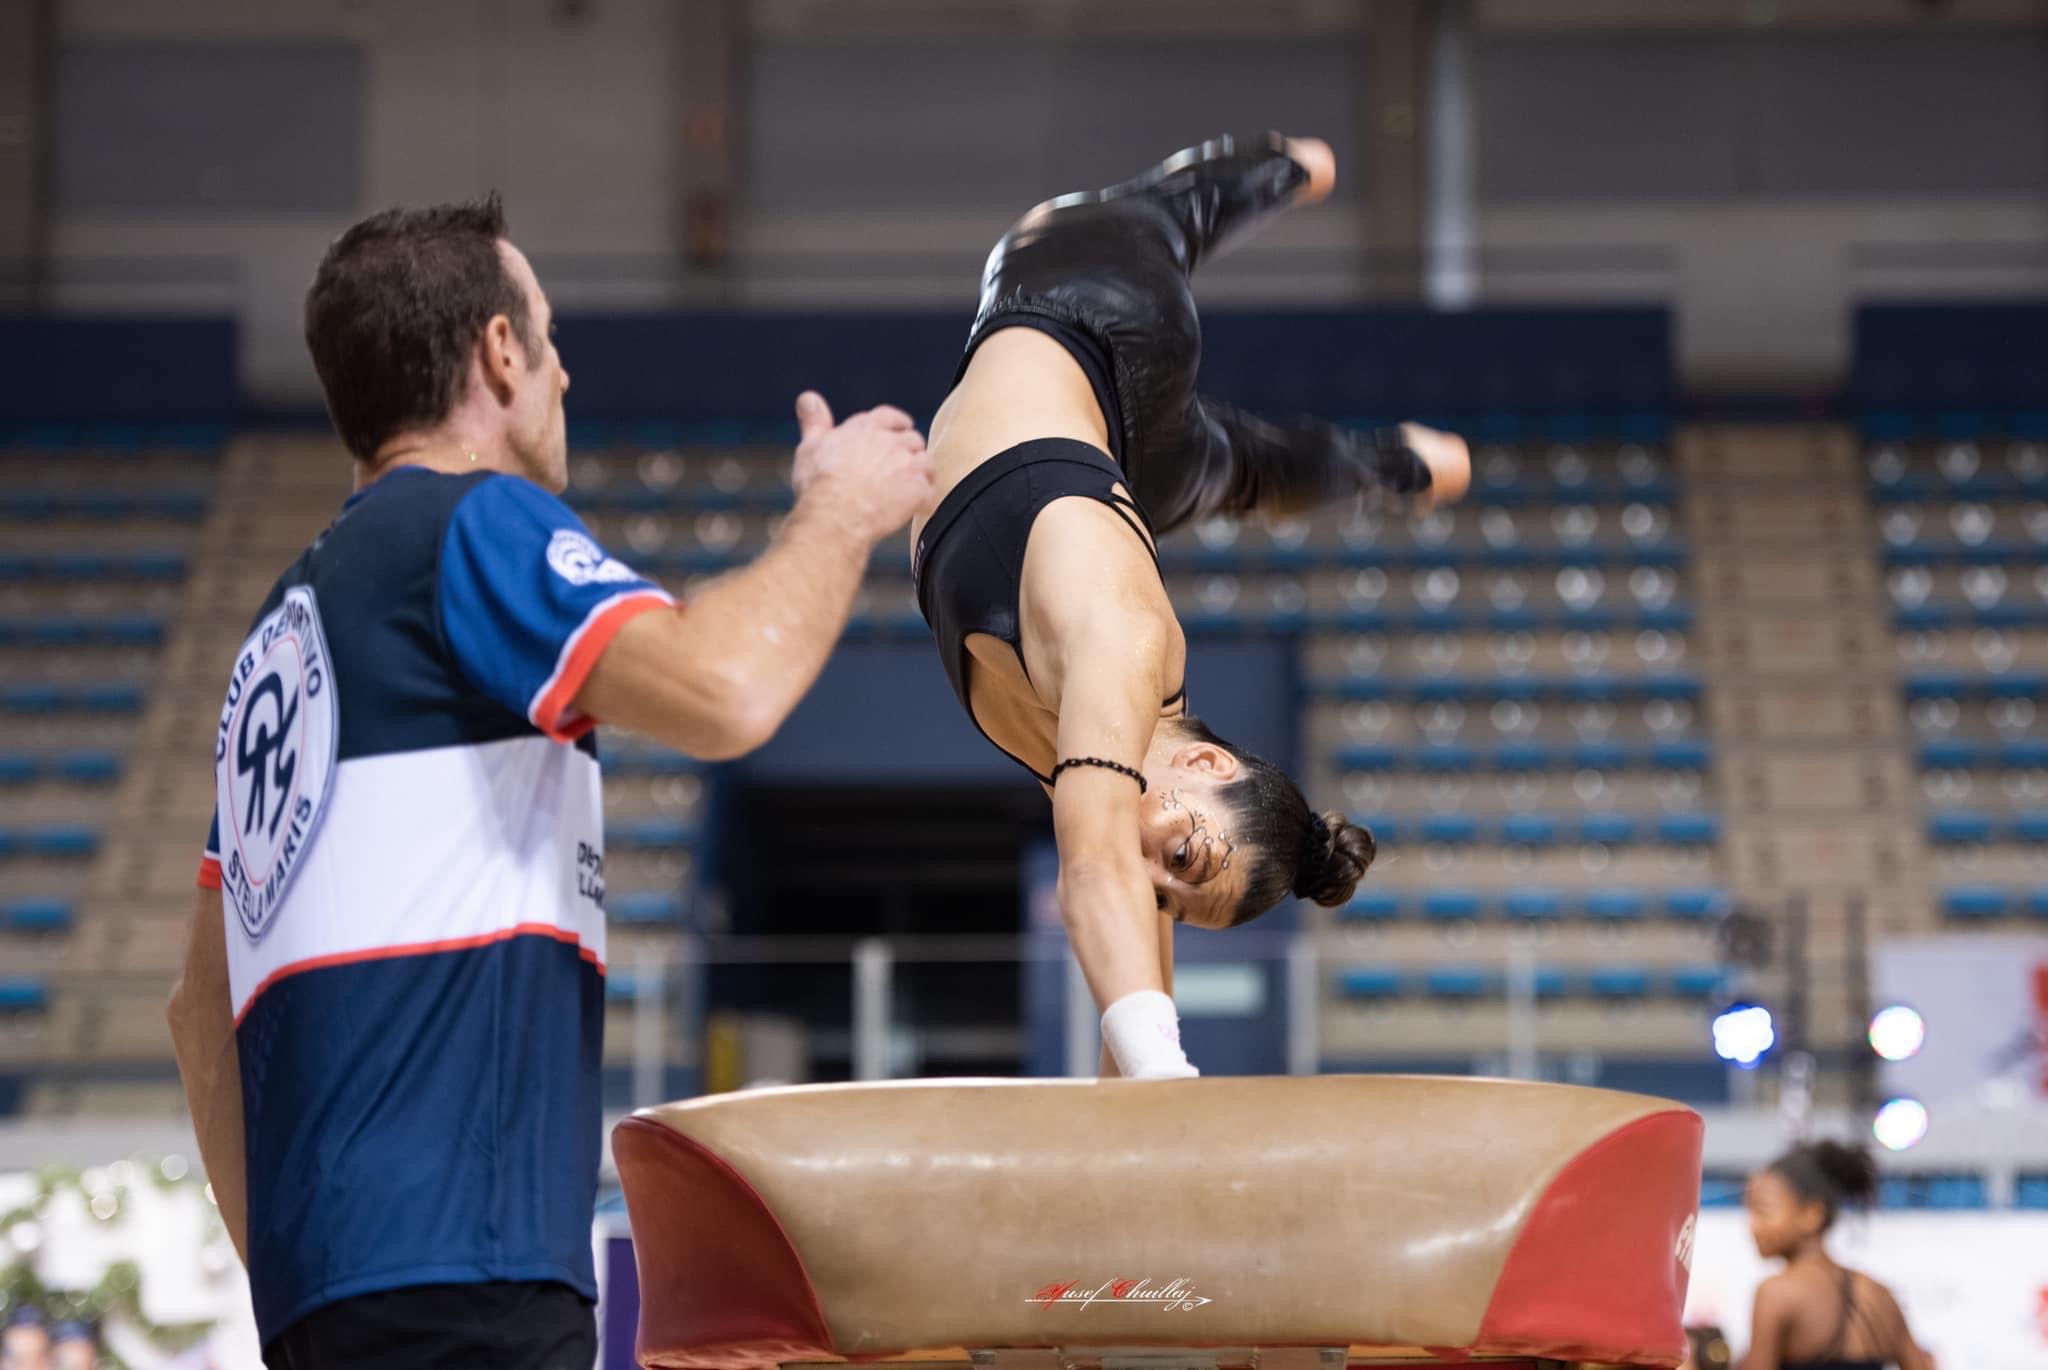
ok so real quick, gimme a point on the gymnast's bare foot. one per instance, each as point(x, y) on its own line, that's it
point(1313, 155)
point(1448, 459)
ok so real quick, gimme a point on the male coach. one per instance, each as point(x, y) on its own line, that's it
point(390, 1016)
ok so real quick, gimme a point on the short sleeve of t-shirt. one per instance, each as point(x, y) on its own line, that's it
point(209, 861)
point(529, 600)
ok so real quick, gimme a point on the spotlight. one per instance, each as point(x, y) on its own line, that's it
point(1900, 1124)
point(1897, 1033)
point(1743, 1033)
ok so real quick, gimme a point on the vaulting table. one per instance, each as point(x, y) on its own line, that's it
point(1285, 1223)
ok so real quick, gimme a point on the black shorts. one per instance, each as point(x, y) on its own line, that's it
point(507, 1326)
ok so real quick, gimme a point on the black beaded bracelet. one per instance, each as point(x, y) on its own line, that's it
point(1117, 766)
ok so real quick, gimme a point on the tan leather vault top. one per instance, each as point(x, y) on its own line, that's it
point(1477, 1217)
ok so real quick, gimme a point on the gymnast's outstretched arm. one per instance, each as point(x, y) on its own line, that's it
point(1110, 673)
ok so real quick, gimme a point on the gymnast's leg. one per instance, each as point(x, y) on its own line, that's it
point(1109, 271)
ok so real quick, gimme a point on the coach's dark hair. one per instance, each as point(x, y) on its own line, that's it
point(395, 312)
point(1294, 849)
point(1831, 1174)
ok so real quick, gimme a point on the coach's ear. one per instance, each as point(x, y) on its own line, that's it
point(503, 358)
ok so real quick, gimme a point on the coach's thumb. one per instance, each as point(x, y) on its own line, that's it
point(813, 415)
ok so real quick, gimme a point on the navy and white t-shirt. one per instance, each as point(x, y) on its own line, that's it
point(408, 840)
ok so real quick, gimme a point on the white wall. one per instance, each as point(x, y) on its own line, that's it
point(573, 122)
point(1764, 292)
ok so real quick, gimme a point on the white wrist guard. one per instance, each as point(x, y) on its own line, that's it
point(1143, 1033)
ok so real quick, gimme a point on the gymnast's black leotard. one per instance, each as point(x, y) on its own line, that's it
point(1850, 1313)
point(1105, 274)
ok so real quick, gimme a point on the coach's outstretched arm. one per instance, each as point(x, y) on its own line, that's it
point(716, 677)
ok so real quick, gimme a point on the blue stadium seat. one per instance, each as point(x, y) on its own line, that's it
point(157, 566)
point(1956, 828)
point(1675, 686)
point(1450, 905)
point(1369, 984)
point(645, 906)
point(1371, 906)
point(1458, 982)
point(23, 994)
point(88, 767)
point(36, 915)
point(18, 768)
point(1680, 756)
point(650, 832)
point(1615, 906)
point(1695, 904)
point(1936, 686)
point(1386, 831)
point(1973, 901)
point(1527, 905)
point(1698, 982)
point(1950, 756)
point(31, 699)
point(1610, 829)
point(1551, 983)
point(1619, 982)
point(2036, 903)
point(1599, 756)
point(1528, 830)
point(113, 697)
point(1950, 1192)
point(1525, 756)
point(1445, 757)
point(1454, 829)
point(62, 839)
point(2023, 754)
point(1721, 1191)
point(2030, 827)
point(1368, 758)
point(2031, 1191)
point(1688, 829)
point(132, 631)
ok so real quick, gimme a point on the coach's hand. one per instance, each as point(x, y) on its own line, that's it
point(871, 473)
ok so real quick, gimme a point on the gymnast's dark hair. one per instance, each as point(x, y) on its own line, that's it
point(1831, 1174)
point(1295, 850)
point(396, 309)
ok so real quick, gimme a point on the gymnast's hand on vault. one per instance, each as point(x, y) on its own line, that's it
point(871, 473)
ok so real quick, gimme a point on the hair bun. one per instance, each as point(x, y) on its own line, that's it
point(1849, 1170)
point(1334, 859)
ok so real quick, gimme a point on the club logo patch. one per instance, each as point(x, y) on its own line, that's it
point(274, 757)
point(578, 560)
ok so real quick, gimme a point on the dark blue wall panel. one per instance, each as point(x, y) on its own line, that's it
point(1593, 366)
point(62, 370)
point(1930, 368)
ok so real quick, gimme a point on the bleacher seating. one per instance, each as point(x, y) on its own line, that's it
point(1503, 692)
point(1964, 528)
point(99, 527)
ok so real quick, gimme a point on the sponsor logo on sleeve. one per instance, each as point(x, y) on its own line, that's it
point(580, 561)
point(274, 757)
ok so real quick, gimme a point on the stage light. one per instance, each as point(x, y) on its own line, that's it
point(1743, 1034)
point(1900, 1124)
point(1897, 1033)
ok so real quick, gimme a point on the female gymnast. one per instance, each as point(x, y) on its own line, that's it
point(1072, 437)
point(1814, 1314)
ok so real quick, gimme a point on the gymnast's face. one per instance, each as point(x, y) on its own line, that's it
point(536, 429)
point(1779, 1220)
point(1198, 868)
